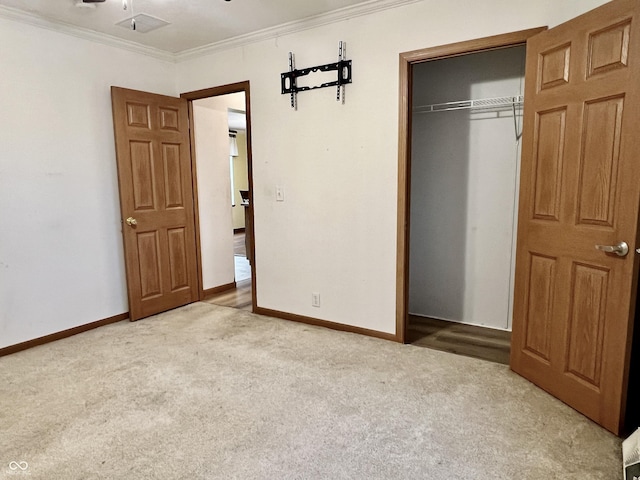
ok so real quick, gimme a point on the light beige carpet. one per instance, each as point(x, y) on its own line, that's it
point(208, 392)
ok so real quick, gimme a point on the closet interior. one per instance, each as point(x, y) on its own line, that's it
point(465, 154)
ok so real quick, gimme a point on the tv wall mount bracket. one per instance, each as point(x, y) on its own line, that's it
point(289, 83)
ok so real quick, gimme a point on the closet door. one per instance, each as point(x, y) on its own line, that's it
point(575, 279)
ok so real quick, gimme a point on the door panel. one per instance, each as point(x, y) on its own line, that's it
point(174, 197)
point(599, 162)
point(554, 67)
point(609, 48)
point(144, 192)
point(154, 174)
point(549, 153)
point(574, 305)
point(542, 275)
point(138, 115)
point(169, 119)
point(149, 264)
point(178, 259)
point(586, 322)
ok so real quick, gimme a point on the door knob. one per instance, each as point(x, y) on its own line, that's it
point(621, 249)
point(132, 221)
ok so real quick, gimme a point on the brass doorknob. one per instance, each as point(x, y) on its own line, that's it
point(131, 221)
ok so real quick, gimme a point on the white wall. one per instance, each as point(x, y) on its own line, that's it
point(463, 190)
point(61, 260)
point(214, 191)
point(335, 233)
point(61, 256)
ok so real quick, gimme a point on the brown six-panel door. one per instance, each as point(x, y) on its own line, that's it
point(580, 187)
point(156, 200)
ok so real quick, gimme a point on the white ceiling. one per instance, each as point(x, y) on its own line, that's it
point(193, 23)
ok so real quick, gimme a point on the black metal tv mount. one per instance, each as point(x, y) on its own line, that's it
point(288, 80)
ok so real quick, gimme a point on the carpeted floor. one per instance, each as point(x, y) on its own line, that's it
point(209, 392)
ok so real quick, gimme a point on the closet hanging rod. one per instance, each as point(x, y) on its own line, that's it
point(483, 103)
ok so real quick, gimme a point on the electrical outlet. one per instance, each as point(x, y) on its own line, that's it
point(315, 299)
point(279, 194)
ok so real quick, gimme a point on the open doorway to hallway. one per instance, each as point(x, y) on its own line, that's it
point(240, 297)
point(221, 148)
point(238, 166)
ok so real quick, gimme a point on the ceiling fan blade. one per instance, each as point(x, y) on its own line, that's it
point(93, 1)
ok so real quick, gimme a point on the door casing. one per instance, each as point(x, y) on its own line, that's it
point(214, 92)
point(407, 61)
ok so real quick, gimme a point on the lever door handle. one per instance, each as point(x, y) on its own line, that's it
point(621, 249)
point(132, 221)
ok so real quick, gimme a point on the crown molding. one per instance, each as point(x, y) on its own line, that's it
point(366, 8)
point(84, 33)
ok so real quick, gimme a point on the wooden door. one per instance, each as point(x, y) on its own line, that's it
point(156, 200)
point(580, 187)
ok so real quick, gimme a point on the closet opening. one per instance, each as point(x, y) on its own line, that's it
point(460, 127)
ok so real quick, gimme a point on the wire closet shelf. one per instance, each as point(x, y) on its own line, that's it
point(515, 101)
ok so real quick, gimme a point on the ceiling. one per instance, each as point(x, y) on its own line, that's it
point(192, 23)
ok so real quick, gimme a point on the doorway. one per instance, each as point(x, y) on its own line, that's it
point(239, 181)
point(412, 230)
point(466, 124)
point(221, 156)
